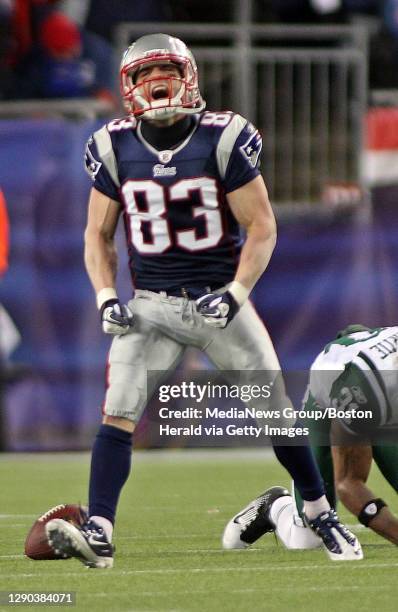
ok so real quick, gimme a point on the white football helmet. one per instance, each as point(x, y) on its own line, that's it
point(158, 49)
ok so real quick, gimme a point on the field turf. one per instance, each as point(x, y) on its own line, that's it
point(171, 517)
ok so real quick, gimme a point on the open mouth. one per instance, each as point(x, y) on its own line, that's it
point(159, 91)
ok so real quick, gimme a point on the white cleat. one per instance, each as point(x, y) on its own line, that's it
point(87, 543)
point(340, 544)
point(252, 522)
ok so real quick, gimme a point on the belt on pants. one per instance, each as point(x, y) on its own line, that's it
point(190, 293)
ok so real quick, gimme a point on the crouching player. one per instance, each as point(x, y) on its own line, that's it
point(356, 373)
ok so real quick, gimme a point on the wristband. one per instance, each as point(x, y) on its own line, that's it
point(106, 294)
point(370, 510)
point(238, 292)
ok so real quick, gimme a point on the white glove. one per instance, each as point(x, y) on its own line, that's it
point(116, 318)
point(217, 310)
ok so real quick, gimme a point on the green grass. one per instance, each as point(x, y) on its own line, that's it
point(170, 520)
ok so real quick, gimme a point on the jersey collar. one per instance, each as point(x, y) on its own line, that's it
point(172, 150)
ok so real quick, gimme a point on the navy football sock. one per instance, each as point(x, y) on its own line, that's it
point(300, 463)
point(110, 468)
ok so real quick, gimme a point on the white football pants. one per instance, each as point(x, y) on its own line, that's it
point(163, 327)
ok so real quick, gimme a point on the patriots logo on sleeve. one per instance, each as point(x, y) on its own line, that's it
point(252, 148)
point(92, 165)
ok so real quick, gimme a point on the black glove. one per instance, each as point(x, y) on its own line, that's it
point(217, 309)
point(116, 318)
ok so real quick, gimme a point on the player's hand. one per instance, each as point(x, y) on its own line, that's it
point(116, 318)
point(217, 309)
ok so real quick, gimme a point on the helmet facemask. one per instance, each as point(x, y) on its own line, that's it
point(180, 95)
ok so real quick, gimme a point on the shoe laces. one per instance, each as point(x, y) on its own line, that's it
point(92, 528)
point(330, 521)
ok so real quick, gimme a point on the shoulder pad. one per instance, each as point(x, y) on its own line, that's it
point(226, 143)
point(105, 150)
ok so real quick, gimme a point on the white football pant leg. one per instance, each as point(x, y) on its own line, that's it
point(289, 531)
point(246, 346)
point(138, 361)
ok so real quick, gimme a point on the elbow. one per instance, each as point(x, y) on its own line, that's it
point(89, 242)
point(94, 239)
point(268, 235)
point(273, 235)
point(94, 244)
point(269, 230)
point(89, 238)
point(264, 232)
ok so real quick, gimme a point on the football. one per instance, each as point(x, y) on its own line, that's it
point(36, 545)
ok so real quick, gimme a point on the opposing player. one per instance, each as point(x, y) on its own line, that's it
point(184, 180)
point(356, 373)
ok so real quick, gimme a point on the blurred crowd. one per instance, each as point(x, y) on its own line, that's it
point(65, 48)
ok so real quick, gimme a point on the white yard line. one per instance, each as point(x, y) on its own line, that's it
point(173, 454)
point(266, 567)
point(154, 538)
point(13, 516)
point(265, 589)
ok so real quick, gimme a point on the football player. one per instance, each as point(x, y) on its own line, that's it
point(357, 374)
point(185, 181)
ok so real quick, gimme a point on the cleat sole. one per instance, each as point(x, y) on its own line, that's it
point(67, 539)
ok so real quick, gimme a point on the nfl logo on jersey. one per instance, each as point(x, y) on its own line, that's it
point(165, 156)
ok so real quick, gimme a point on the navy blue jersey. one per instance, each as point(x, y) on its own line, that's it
point(180, 230)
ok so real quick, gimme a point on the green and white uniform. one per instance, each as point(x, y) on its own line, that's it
point(357, 376)
point(356, 373)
